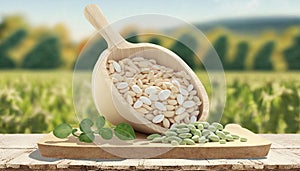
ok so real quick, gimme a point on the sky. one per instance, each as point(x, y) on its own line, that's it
point(70, 12)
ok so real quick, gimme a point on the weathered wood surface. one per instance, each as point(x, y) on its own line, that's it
point(19, 152)
point(255, 147)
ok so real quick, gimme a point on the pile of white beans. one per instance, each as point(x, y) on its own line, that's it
point(160, 94)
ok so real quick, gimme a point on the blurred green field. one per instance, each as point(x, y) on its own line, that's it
point(37, 101)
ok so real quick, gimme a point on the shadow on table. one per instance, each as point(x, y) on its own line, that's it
point(36, 155)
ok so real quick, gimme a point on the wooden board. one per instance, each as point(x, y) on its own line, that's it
point(256, 147)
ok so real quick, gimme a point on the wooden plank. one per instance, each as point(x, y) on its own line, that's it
point(33, 160)
point(256, 146)
point(283, 140)
point(9, 154)
point(19, 140)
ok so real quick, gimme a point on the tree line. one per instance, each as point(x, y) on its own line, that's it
point(47, 51)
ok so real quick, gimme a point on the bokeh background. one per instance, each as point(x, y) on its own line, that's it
point(258, 43)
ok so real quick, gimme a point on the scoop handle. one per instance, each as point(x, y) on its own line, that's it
point(94, 15)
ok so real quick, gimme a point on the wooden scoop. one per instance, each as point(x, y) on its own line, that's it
point(109, 102)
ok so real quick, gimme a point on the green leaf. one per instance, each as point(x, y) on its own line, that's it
point(85, 125)
point(100, 122)
point(106, 133)
point(86, 137)
point(62, 131)
point(124, 131)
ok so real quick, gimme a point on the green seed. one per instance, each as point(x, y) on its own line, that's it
point(174, 143)
point(205, 124)
point(180, 126)
point(165, 140)
point(152, 136)
point(205, 132)
point(213, 138)
point(226, 132)
point(183, 130)
point(243, 139)
point(191, 127)
point(202, 139)
point(189, 141)
point(185, 135)
point(170, 133)
point(173, 129)
point(212, 128)
point(218, 126)
point(196, 132)
point(221, 134)
point(157, 140)
point(195, 138)
point(235, 136)
point(171, 138)
point(228, 137)
point(200, 126)
point(182, 143)
point(222, 141)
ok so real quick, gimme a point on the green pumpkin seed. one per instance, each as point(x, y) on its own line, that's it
point(174, 143)
point(218, 126)
point(185, 135)
point(183, 130)
point(171, 138)
point(222, 141)
point(226, 132)
point(229, 137)
point(165, 140)
point(243, 139)
point(235, 136)
point(189, 141)
point(205, 132)
point(212, 128)
point(213, 138)
point(152, 136)
point(205, 124)
point(173, 129)
point(202, 139)
point(196, 132)
point(157, 140)
point(200, 127)
point(180, 126)
point(191, 127)
point(182, 143)
point(170, 133)
point(195, 138)
point(221, 134)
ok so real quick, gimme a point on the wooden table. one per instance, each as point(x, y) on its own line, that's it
point(19, 152)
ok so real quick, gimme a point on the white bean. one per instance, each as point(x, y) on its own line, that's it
point(158, 118)
point(164, 94)
point(188, 104)
point(145, 100)
point(160, 106)
point(138, 104)
point(122, 85)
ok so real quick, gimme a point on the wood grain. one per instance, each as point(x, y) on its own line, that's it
point(256, 147)
point(19, 152)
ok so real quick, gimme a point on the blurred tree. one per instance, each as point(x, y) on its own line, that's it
point(45, 55)
point(90, 54)
point(183, 48)
point(263, 58)
point(13, 40)
point(155, 40)
point(10, 24)
point(132, 37)
point(240, 56)
point(292, 55)
point(221, 47)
